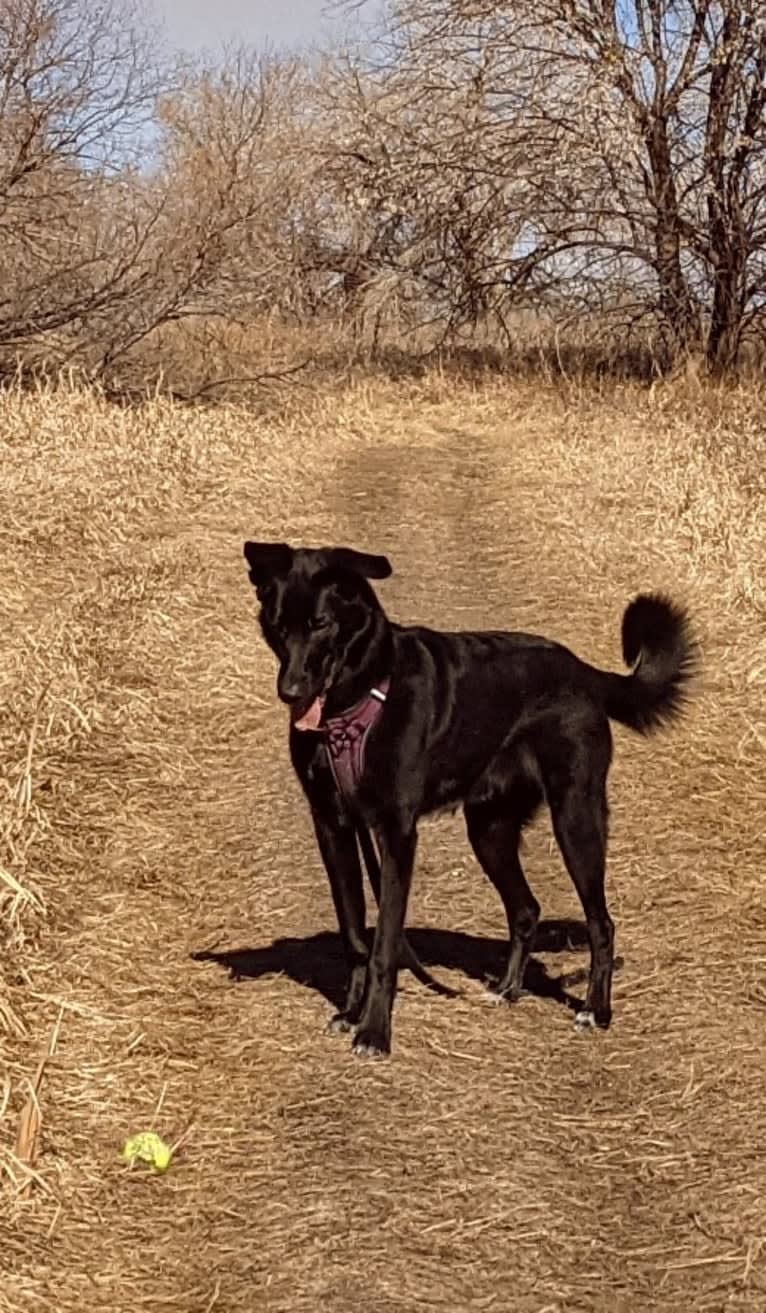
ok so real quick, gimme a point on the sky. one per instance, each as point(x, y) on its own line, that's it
point(207, 24)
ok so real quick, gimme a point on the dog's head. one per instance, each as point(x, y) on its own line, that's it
point(318, 615)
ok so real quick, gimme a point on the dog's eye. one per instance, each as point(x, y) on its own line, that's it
point(318, 622)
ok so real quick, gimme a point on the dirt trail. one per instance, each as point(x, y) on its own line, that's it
point(499, 1160)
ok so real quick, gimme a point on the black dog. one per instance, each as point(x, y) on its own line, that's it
point(389, 723)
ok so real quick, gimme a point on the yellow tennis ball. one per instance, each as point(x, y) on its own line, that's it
point(149, 1148)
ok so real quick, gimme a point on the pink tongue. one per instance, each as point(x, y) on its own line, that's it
point(312, 718)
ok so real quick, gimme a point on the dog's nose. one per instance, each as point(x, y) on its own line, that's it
point(290, 692)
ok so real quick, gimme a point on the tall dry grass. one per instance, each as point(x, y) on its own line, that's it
point(261, 361)
point(132, 682)
point(89, 491)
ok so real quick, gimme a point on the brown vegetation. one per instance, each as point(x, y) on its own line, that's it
point(477, 275)
point(463, 167)
point(148, 810)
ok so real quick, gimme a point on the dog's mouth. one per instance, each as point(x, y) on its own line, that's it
point(308, 713)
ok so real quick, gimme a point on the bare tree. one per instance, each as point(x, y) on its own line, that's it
point(476, 159)
point(77, 91)
point(623, 143)
point(132, 193)
point(439, 174)
point(216, 202)
point(680, 93)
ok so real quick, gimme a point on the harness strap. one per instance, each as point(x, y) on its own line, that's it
point(347, 737)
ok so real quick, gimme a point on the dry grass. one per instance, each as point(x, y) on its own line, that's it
point(499, 1160)
point(260, 361)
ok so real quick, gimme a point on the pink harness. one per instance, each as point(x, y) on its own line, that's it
point(347, 736)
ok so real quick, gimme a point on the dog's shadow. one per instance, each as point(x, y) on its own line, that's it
point(316, 962)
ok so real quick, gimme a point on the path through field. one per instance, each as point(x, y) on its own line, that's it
point(498, 1161)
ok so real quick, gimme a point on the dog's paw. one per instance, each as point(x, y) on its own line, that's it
point(369, 1051)
point(371, 1043)
point(585, 1020)
point(494, 994)
point(340, 1024)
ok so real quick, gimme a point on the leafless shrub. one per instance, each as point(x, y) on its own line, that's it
point(577, 153)
point(476, 160)
point(77, 89)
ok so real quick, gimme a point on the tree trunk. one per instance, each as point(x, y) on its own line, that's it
point(677, 305)
point(729, 271)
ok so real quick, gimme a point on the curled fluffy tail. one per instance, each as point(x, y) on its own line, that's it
point(658, 644)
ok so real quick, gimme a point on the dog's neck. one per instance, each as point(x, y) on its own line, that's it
point(374, 669)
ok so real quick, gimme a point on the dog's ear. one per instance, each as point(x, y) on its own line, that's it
point(371, 567)
point(266, 560)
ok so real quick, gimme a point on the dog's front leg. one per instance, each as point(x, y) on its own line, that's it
point(396, 843)
point(340, 854)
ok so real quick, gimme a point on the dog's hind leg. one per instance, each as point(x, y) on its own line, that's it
point(337, 845)
point(494, 830)
point(409, 958)
point(577, 798)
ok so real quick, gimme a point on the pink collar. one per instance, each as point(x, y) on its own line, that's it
point(347, 736)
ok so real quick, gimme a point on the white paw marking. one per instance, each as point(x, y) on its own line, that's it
point(585, 1020)
point(339, 1026)
point(367, 1051)
point(493, 997)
